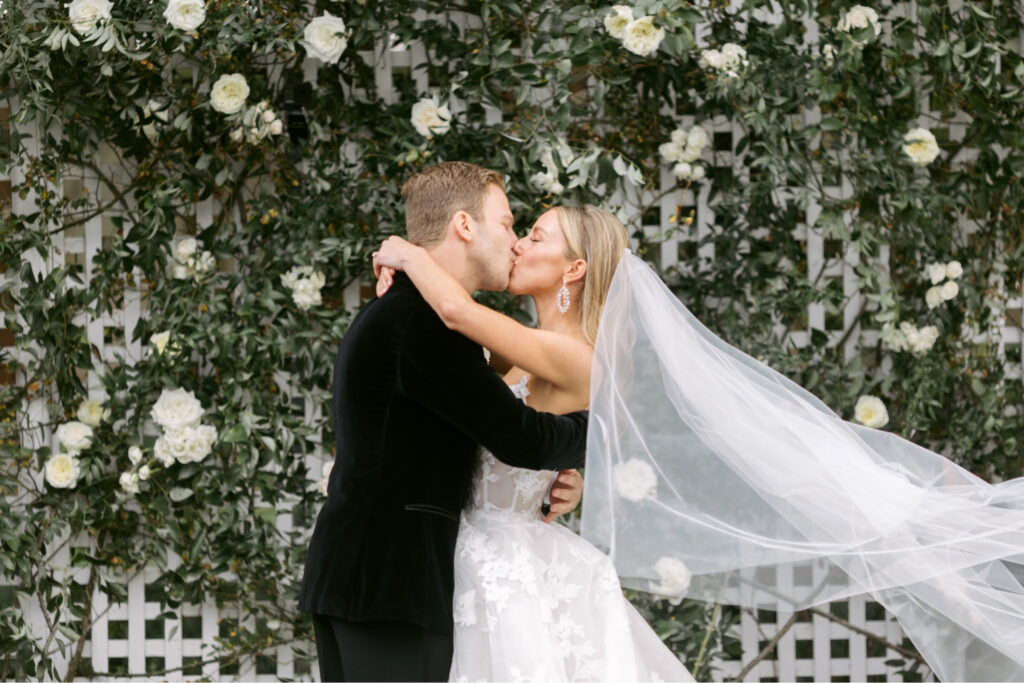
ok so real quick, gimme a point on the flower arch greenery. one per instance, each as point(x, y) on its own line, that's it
point(273, 116)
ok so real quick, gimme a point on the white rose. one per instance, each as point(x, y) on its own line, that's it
point(276, 127)
point(936, 272)
point(871, 412)
point(933, 297)
point(85, 15)
point(195, 444)
point(159, 341)
point(91, 412)
point(306, 295)
point(711, 59)
point(204, 263)
point(135, 455)
point(689, 154)
point(920, 146)
point(325, 38)
point(634, 479)
point(144, 473)
point(430, 118)
point(62, 471)
point(926, 338)
point(547, 182)
point(129, 482)
point(73, 436)
point(950, 290)
point(733, 56)
point(180, 272)
point(697, 138)
point(683, 171)
point(177, 409)
point(954, 270)
point(268, 116)
point(236, 135)
point(698, 173)
point(185, 15)
point(616, 21)
point(294, 274)
point(670, 152)
point(229, 93)
point(162, 452)
point(675, 578)
point(858, 17)
point(641, 37)
point(185, 249)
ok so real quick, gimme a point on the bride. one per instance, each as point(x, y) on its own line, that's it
point(534, 600)
point(702, 462)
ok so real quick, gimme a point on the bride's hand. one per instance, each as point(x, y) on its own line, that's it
point(393, 255)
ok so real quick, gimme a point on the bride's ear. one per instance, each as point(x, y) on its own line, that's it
point(576, 271)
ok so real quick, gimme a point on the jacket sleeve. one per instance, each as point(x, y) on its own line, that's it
point(445, 372)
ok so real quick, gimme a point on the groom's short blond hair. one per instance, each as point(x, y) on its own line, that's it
point(437, 193)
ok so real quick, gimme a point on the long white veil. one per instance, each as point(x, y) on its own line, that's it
point(701, 458)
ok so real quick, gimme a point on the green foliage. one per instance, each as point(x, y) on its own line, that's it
point(818, 140)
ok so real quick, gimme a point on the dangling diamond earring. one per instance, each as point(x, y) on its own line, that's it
point(562, 300)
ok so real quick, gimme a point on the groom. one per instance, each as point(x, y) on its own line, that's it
point(412, 401)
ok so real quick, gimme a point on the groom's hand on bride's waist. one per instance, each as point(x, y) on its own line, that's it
point(565, 494)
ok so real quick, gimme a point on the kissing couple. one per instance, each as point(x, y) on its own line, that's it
point(433, 557)
point(709, 474)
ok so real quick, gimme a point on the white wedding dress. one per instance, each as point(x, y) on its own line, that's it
point(534, 601)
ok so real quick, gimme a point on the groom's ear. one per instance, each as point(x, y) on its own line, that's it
point(576, 272)
point(462, 225)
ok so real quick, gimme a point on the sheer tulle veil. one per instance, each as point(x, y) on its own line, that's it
point(707, 472)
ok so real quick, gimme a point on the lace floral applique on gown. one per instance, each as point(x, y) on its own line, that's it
point(534, 601)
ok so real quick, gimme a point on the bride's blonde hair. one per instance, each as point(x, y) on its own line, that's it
point(599, 238)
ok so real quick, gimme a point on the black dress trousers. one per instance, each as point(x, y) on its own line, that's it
point(380, 651)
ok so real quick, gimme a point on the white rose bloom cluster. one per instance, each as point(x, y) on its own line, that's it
point(871, 412)
point(325, 38)
point(908, 337)
point(943, 291)
point(920, 145)
point(258, 122)
point(63, 469)
point(547, 181)
point(634, 479)
point(640, 36)
point(184, 439)
point(189, 261)
point(305, 284)
point(683, 150)
point(430, 117)
point(185, 15)
point(727, 62)
point(229, 93)
point(859, 17)
point(325, 475)
point(675, 578)
point(91, 412)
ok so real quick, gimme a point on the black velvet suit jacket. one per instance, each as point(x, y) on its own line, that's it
point(412, 400)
